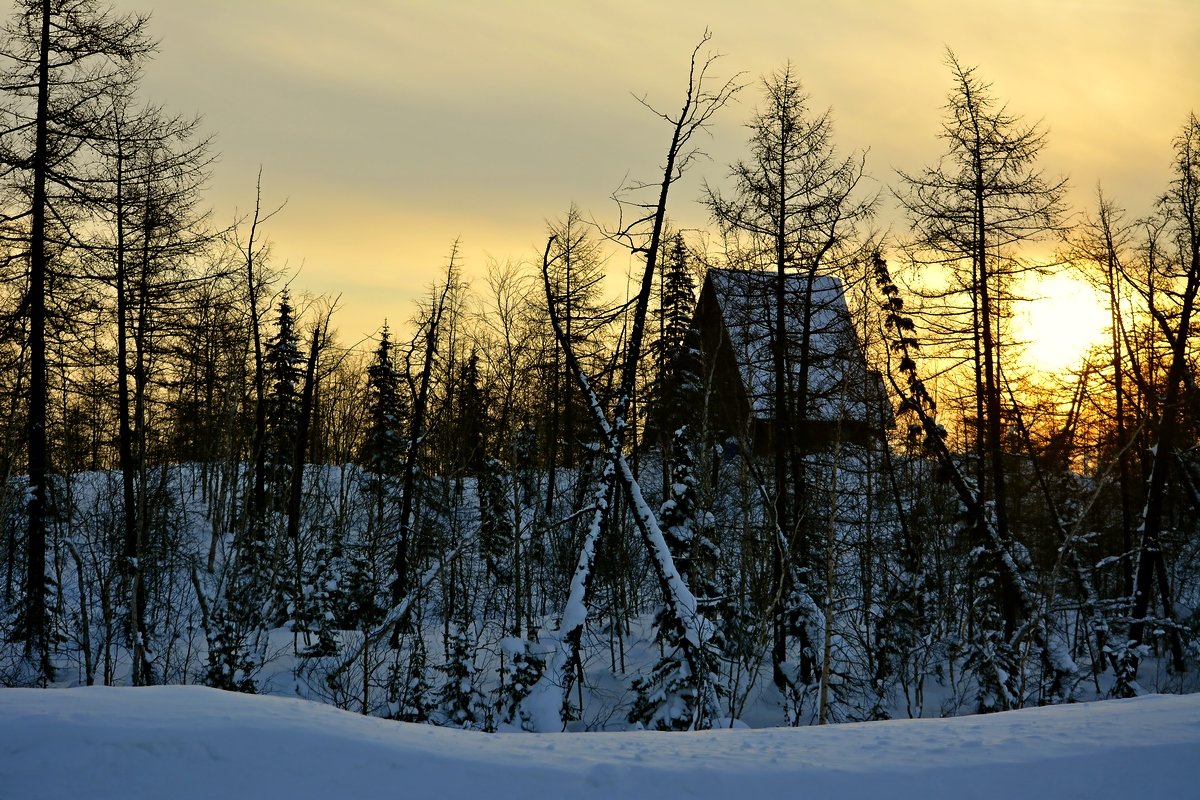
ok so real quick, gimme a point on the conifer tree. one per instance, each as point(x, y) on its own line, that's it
point(230, 662)
point(797, 205)
point(526, 670)
point(460, 701)
point(381, 456)
point(986, 196)
point(65, 64)
point(411, 698)
point(284, 366)
point(672, 697)
point(382, 453)
point(495, 522)
point(468, 428)
point(674, 393)
point(311, 614)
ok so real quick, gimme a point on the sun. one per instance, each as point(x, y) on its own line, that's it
point(1064, 319)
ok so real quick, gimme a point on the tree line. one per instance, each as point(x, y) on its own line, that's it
point(529, 498)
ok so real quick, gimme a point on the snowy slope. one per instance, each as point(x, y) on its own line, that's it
point(192, 742)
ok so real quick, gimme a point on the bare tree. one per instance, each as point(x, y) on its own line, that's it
point(156, 169)
point(643, 234)
point(985, 196)
point(1178, 268)
point(795, 200)
point(431, 331)
point(66, 63)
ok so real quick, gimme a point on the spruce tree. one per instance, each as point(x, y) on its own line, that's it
point(411, 698)
point(382, 454)
point(674, 393)
point(672, 697)
point(284, 366)
point(312, 614)
point(496, 532)
point(526, 670)
point(460, 702)
point(382, 459)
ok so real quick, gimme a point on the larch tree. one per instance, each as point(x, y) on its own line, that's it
point(1177, 270)
point(67, 61)
point(154, 167)
point(794, 207)
point(986, 195)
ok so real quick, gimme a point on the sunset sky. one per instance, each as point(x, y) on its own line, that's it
point(391, 127)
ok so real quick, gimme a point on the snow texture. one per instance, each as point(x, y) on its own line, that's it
point(192, 742)
point(837, 373)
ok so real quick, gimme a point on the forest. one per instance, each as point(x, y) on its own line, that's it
point(792, 470)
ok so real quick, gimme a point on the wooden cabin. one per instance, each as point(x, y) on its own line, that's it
point(735, 317)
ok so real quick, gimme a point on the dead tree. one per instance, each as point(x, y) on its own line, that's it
point(700, 103)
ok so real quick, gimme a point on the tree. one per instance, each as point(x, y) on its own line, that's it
point(992, 655)
point(155, 168)
point(1178, 270)
point(68, 61)
point(307, 592)
point(644, 235)
point(283, 363)
point(383, 444)
point(674, 395)
point(794, 200)
point(671, 697)
point(430, 332)
point(496, 535)
point(985, 196)
point(1102, 242)
point(577, 269)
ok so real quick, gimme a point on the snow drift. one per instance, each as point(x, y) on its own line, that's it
point(193, 742)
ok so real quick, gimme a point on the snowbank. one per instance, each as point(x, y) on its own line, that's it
point(193, 742)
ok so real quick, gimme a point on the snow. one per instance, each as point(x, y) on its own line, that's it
point(194, 742)
point(837, 377)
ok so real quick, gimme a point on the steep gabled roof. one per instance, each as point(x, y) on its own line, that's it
point(838, 380)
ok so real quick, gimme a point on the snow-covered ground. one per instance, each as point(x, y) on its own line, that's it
point(193, 742)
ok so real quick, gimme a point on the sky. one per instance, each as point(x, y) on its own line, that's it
point(189, 742)
point(391, 128)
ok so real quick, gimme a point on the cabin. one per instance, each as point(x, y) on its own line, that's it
point(827, 372)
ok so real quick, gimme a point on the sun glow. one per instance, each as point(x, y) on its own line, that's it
point(1065, 318)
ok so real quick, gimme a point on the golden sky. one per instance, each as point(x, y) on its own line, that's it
point(391, 127)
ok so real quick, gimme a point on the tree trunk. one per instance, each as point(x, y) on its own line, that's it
point(35, 623)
